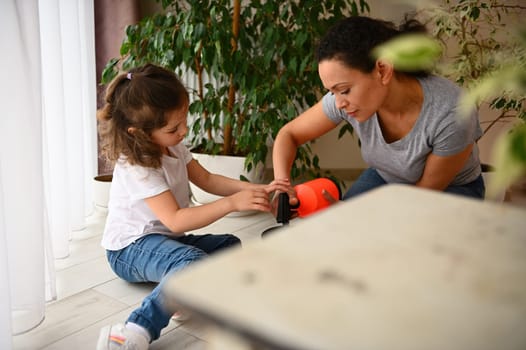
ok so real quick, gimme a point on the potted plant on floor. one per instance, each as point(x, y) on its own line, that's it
point(252, 62)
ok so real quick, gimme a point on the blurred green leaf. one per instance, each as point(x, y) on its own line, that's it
point(485, 52)
point(411, 52)
point(509, 158)
point(504, 80)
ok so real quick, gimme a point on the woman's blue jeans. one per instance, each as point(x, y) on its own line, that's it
point(151, 259)
point(370, 179)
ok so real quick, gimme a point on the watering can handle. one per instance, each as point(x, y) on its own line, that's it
point(285, 210)
point(283, 214)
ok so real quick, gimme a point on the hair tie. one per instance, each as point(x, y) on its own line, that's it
point(129, 76)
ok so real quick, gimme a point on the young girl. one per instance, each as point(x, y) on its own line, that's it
point(142, 126)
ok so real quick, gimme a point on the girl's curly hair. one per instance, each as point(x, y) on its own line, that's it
point(138, 99)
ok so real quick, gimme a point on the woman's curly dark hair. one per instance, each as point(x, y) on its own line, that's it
point(353, 39)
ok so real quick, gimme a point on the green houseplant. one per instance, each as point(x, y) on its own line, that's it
point(478, 39)
point(489, 59)
point(486, 53)
point(253, 62)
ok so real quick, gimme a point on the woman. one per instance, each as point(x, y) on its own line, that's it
point(407, 122)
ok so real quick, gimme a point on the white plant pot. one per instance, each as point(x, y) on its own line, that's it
point(229, 166)
point(101, 190)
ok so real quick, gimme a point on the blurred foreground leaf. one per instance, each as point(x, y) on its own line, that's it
point(509, 157)
point(508, 79)
point(411, 52)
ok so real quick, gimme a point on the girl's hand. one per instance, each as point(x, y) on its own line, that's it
point(257, 197)
point(251, 199)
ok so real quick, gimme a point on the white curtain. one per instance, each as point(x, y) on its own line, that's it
point(47, 145)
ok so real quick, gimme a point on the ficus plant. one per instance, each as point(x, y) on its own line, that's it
point(488, 58)
point(253, 62)
point(478, 39)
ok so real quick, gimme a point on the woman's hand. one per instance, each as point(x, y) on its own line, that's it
point(289, 189)
point(280, 185)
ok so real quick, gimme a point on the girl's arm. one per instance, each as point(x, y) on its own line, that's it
point(240, 196)
point(440, 171)
point(180, 220)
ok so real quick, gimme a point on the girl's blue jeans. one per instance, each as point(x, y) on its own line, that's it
point(370, 179)
point(151, 259)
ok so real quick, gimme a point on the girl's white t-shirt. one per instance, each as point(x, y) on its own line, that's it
point(129, 217)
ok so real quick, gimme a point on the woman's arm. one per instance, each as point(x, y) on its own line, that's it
point(306, 127)
point(440, 171)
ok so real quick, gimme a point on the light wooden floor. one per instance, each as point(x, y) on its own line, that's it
point(91, 296)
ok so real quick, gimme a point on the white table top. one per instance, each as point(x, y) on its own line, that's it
point(397, 268)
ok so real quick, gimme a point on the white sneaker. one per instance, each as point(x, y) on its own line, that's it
point(118, 337)
point(180, 316)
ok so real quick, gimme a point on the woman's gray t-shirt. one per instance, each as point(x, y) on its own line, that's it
point(439, 129)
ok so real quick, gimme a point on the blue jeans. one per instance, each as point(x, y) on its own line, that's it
point(151, 259)
point(370, 179)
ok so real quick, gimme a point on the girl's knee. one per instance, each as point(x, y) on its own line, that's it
point(225, 241)
point(232, 240)
point(228, 240)
point(181, 261)
point(194, 254)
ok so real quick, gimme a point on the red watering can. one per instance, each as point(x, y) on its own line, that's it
point(311, 199)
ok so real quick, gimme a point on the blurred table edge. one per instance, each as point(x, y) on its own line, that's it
point(328, 282)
